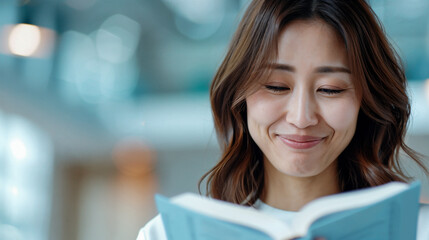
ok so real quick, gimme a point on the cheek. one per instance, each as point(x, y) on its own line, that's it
point(342, 115)
point(262, 111)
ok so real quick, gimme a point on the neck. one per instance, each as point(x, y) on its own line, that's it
point(292, 193)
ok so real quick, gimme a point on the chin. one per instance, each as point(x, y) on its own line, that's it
point(300, 169)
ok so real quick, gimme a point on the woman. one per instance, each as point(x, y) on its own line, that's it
point(309, 101)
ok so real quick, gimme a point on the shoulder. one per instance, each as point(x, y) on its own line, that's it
point(423, 222)
point(153, 230)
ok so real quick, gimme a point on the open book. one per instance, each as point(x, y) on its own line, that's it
point(388, 211)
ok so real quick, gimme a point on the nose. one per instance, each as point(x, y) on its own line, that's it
point(301, 109)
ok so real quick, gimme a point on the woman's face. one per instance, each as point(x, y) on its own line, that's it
point(304, 115)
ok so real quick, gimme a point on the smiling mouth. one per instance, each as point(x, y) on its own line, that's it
point(300, 141)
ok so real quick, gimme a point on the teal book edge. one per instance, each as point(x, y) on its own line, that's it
point(183, 224)
point(393, 218)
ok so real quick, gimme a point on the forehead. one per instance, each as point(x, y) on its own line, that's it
point(311, 40)
point(304, 44)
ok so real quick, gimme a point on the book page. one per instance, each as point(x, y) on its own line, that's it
point(343, 201)
point(233, 213)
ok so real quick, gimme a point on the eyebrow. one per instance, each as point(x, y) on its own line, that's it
point(321, 69)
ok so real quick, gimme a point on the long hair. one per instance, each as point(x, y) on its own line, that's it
point(371, 158)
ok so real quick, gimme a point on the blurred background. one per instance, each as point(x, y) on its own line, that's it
point(105, 103)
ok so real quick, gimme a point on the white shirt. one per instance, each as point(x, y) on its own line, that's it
point(154, 229)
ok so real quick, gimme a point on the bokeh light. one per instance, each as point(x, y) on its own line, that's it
point(134, 158)
point(24, 39)
point(117, 39)
point(197, 20)
point(18, 149)
point(26, 177)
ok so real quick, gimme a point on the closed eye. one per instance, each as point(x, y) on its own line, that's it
point(276, 88)
point(330, 91)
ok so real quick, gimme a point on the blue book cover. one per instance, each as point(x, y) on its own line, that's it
point(389, 211)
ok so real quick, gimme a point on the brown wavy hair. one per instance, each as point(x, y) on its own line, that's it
point(371, 158)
